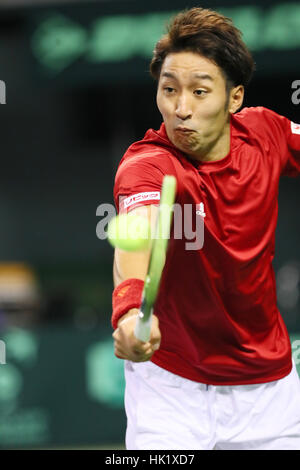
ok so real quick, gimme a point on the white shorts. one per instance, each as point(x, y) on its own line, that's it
point(165, 411)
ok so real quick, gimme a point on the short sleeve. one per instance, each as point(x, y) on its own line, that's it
point(138, 182)
point(287, 139)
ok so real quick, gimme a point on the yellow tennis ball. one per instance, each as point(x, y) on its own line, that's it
point(129, 232)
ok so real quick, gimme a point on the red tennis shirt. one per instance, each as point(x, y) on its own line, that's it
point(217, 305)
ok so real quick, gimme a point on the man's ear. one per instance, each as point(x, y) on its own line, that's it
point(236, 98)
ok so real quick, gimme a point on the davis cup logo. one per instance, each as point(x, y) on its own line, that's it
point(295, 128)
point(200, 209)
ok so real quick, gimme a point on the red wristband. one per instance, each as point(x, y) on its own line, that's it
point(126, 295)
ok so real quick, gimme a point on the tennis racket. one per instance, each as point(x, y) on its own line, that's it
point(157, 258)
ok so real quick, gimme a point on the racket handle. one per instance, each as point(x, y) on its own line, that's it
point(143, 328)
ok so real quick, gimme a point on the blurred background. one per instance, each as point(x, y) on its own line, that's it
point(77, 93)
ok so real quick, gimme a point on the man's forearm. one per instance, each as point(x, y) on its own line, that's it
point(134, 264)
point(129, 265)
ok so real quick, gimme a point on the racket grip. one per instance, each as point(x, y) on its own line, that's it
point(143, 328)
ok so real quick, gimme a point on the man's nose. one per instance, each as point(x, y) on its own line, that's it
point(183, 108)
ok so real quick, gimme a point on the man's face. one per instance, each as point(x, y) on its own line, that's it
point(193, 102)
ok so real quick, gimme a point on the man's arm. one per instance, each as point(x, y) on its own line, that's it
point(134, 265)
point(286, 135)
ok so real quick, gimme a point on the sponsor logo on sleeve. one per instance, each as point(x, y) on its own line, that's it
point(141, 197)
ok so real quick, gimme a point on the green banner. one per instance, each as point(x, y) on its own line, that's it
point(101, 38)
point(61, 387)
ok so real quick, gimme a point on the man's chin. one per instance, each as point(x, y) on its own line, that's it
point(185, 147)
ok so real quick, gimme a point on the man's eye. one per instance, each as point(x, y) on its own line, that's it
point(169, 89)
point(199, 92)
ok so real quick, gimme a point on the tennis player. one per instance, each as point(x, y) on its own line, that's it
point(217, 372)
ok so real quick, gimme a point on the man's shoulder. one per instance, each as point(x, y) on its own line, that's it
point(152, 151)
point(255, 114)
point(260, 115)
point(145, 160)
point(259, 121)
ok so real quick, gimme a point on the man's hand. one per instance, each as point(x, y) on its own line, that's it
point(127, 346)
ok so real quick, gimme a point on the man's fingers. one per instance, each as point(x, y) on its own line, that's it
point(127, 346)
point(141, 348)
point(115, 333)
point(155, 341)
point(135, 355)
point(119, 353)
